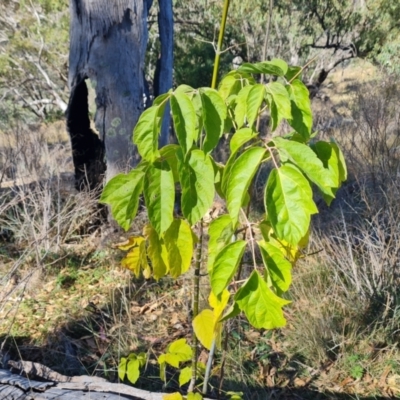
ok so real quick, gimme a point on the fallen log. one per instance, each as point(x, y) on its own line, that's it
point(61, 387)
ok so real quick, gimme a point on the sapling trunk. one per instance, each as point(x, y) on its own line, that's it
point(213, 86)
point(195, 308)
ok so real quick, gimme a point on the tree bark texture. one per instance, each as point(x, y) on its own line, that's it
point(107, 45)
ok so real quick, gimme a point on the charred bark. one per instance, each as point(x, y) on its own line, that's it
point(107, 45)
point(88, 149)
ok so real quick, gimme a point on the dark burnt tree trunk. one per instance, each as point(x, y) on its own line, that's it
point(107, 45)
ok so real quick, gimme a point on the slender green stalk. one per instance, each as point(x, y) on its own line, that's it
point(195, 308)
point(213, 86)
point(219, 45)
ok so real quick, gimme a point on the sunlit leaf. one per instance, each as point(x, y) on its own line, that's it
point(122, 194)
point(308, 162)
point(225, 265)
point(241, 106)
point(262, 307)
point(289, 203)
point(122, 368)
point(220, 232)
point(241, 137)
point(254, 100)
point(242, 173)
point(203, 326)
point(133, 371)
point(185, 375)
point(172, 396)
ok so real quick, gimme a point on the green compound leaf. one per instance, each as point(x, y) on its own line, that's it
point(241, 106)
point(242, 173)
point(241, 137)
point(185, 375)
point(184, 117)
point(308, 162)
point(279, 269)
point(225, 265)
point(289, 203)
point(159, 194)
point(253, 103)
point(122, 194)
point(145, 134)
point(214, 115)
point(279, 102)
point(280, 64)
point(179, 242)
point(196, 174)
point(301, 119)
point(156, 251)
point(220, 232)
point(263, 308)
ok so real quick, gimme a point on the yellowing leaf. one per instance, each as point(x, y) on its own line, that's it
point(172, 396)
point(136, 258)
point(179, 243)
point(217, 304)
point(203, 325)
point(185, 375)
point(178, 351)
point(156, 251)
point(122, 368)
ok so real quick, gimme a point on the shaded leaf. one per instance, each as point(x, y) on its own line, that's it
point(214, 115)
point(196, 174)
point(278, 267)
point(184, 117)
point(159, 194)
point(157, 252)
point(179, 243)
point(220, 232)
point(301, 119)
